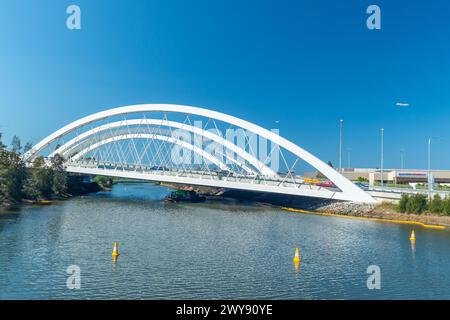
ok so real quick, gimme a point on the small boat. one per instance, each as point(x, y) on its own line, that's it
point(184, 196)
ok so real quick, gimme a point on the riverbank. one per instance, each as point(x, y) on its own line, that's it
point(74, 190)
point(385, 212)
point(5, 205)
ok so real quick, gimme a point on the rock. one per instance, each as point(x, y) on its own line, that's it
point(347, 208)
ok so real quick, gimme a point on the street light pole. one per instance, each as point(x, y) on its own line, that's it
point(348, 157)
point(341, 123)
point(382, 155)
point(429, 168)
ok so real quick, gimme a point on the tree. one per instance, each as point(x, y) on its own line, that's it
point(18, 182)
point(2, 146)
point(403, 203)
point(436, 204)
point(104, 182)
point(446, 206)
point(41, 179)
point(59, 175)
point(416, 204)
point(16, 146)
point(27, 147)
point(12, 175)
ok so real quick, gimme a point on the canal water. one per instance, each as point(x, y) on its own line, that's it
point(214, 250)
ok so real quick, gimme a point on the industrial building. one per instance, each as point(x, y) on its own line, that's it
point(394, 176)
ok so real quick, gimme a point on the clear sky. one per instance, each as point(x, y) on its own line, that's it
point(306, 64)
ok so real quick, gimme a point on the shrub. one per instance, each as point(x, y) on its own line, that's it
point(419, 203)
point(409, 205)
point(104, 182)
point(416, 204)
point(436, 204)
point(446, 206)
point(402, 203)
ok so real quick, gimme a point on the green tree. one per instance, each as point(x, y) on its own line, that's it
point(416, 204)
point(12, 175)
point(27, 147)
point(104, 182)
point(2, 146)
point(446, 206)
point(41, 179)
point(402, 204)
point(16, 146)
point(436, 205)
point(59, 175)
point(30, 191)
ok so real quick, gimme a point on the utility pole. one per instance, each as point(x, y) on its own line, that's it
point(382, 155)
point(341, 123)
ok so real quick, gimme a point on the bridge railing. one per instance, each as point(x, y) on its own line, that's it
point(279, 181)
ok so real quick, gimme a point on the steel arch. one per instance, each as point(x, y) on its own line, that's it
point(261, 167)
point(350, 191)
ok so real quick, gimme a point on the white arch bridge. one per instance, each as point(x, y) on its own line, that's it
point(192, 146)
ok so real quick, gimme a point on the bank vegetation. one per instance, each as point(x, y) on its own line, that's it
point(42, 181)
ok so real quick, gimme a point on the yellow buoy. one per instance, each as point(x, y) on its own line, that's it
point(297, 256)
point(297, 266)
point(115, 251)
point(413, 236)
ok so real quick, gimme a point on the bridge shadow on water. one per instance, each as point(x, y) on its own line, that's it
point(152, 194)
point(298, 202)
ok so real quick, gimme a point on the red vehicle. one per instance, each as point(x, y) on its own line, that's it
point(327, 184)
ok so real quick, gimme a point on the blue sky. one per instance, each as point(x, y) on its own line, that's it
point(306, 64)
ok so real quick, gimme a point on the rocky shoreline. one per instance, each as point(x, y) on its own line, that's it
point(383, 211)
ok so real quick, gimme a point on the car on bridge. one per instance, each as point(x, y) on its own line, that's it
point(363, 186)
point(225, 173)
point(326, 184)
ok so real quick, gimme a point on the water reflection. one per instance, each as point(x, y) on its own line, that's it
point(228, 251)
point(114, 261)
point(413, 247)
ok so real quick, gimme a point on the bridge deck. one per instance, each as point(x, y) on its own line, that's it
point(272, 184)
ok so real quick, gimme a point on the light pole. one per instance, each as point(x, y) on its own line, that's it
point(382, 155)
point(348, 157)
point(341, 123)
point(429, 169)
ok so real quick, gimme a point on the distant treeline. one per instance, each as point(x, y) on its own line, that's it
point(41, 181)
